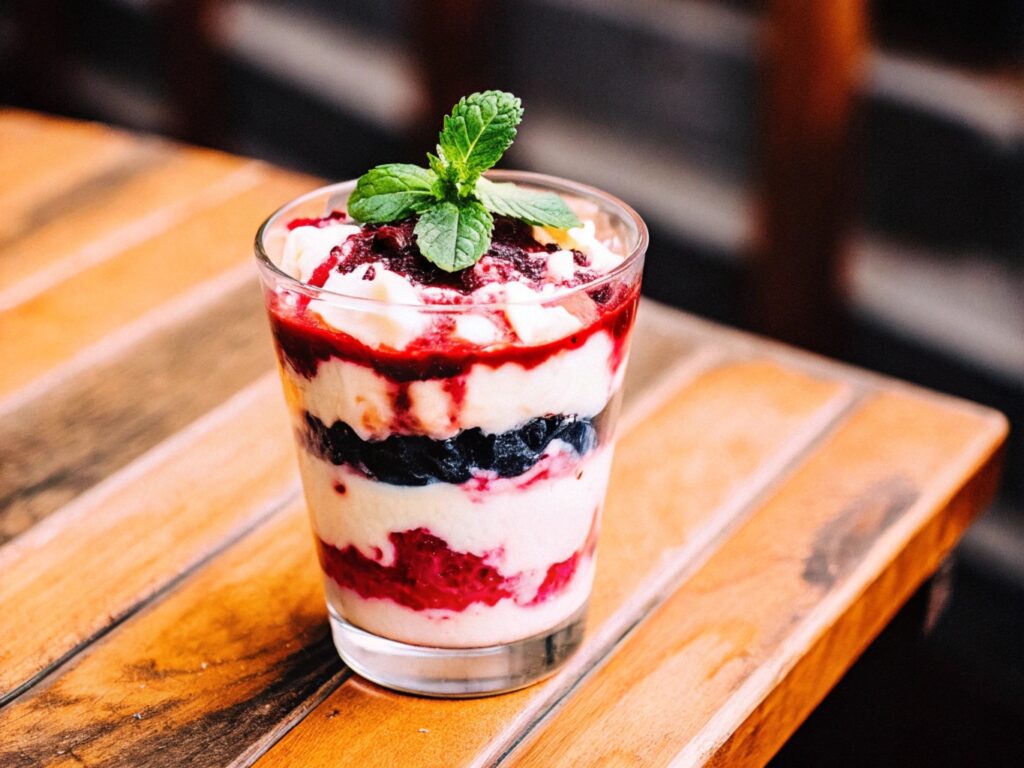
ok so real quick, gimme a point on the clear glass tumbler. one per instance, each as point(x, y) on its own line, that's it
point(455, 491)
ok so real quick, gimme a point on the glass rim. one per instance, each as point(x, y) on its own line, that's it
point(552, 183)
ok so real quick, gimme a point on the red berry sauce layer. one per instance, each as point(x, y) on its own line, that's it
point(427, 574)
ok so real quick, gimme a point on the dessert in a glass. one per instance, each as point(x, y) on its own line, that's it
point(454, 387)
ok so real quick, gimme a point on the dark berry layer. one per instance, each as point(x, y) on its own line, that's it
point(420, 460)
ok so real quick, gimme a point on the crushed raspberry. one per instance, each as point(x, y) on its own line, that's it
point(558, 576)
point(425, 575)
point(514, 254)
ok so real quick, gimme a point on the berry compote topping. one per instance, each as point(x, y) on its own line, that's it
point(304, 340)
point(514, 256)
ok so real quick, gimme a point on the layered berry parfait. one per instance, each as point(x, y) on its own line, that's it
point(452, 348)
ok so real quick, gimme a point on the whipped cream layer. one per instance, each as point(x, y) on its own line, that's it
point(492, 398)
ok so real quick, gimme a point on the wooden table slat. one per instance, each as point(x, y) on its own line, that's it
point(41, 157)
point(88, 426)
point(203, 677)
point(97, 558)
point(725, 641)
point(90, 221)
point(48, 329)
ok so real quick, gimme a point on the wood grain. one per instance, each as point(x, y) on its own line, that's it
point(91, 563)
point(810, 579)
point(89, 426)
point(41, 157)
point(48, 329)
point(694, 462)
point(159, 181)
point(222, 665)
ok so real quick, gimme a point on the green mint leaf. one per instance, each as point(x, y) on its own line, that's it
point(454, 236)
point(391, 192)
point(478, 131)
point(438, 166)
point(545, 209)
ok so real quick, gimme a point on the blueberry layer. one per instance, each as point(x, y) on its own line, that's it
point(420, 460)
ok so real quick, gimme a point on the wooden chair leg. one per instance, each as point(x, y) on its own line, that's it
point(811, 64)
point(39, 69)
point(450, 40)
point(192, 75)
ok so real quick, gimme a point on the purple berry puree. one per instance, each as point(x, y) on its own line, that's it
point(514, 255)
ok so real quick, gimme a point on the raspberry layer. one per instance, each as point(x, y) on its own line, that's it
point(479, 625)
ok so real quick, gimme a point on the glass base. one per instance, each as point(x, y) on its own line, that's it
point(457, 672)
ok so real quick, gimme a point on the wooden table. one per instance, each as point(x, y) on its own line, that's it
point(769, 511)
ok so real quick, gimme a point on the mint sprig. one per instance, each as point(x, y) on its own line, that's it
point(478, 131)
point(392, 192)
point(453, 201)
point(455, 235)
point(545, 209)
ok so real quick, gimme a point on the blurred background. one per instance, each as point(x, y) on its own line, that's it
point(846, 175)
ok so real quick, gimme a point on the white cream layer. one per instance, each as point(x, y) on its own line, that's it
point(574, 381)
point(306, 248)
point(478, 625)
point(523, 531)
